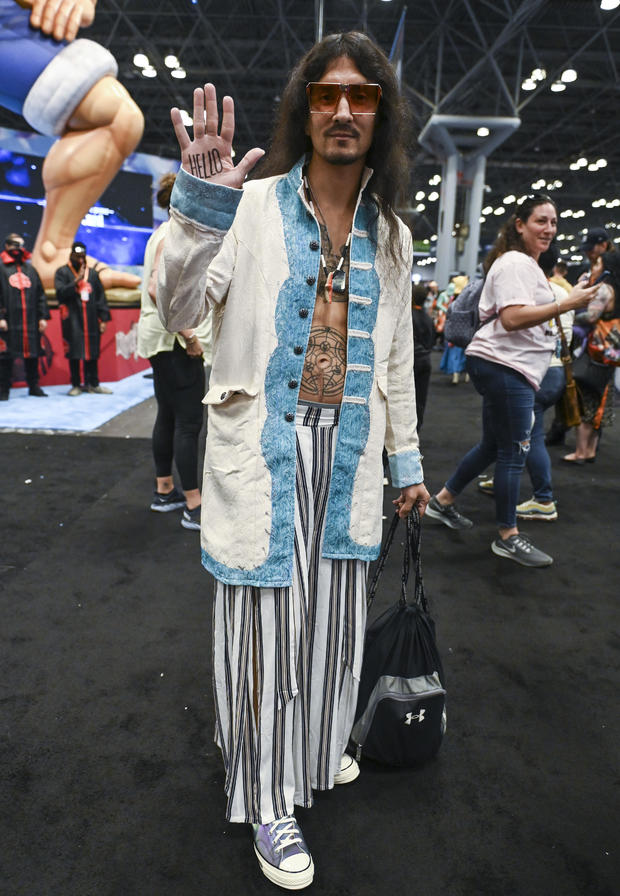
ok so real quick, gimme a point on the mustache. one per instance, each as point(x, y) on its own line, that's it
point(342, 131)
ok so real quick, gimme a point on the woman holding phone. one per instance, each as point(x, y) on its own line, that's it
point(506, 360)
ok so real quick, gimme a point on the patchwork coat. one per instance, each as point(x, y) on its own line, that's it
point(252, 257)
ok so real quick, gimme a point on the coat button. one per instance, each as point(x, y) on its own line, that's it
point(299, 349)
point(292, 384)
point(314, 245)
point(289, 417)
point(311, 280)
point(303, 312)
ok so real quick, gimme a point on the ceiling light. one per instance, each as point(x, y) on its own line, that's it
point(149, 72)
point(186, 118)
point(509, 199)
point(609, 4)
point(539, 74)
point(482, 219)
point(499, 210)
point(602, 163)
point(528, 84)
point(568, 75)
point(171, 61)
point(487, 210)
point(592, 166)
point(557, 184)
point(420, 195)
point(558, 87)
point(582, 162)
point(420, 207)
point(141, 60)
point(483, 132)
point(574, 166)
point(178, 73)
point(433, 197)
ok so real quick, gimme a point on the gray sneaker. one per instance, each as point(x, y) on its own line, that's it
point(447, 514)
point(282, 853)
point(521, 550)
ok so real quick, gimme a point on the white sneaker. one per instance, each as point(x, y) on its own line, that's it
point(349, 770)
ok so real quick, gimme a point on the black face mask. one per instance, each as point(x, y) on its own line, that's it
point(16, 252)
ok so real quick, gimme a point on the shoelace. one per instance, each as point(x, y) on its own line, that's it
point(522, 542)
point(289, 833)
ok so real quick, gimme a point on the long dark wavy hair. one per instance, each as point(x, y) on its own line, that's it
point(508, 238)
point(388, 154)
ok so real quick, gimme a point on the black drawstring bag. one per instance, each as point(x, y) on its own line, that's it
point(401, 709)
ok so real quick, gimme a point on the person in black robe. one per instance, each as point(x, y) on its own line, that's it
point(23, 316)
point(84, 314)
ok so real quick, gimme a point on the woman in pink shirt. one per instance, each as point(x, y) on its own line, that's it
point(506, 360)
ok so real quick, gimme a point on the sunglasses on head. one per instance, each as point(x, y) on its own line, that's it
point(323, 98)
point(15, 243)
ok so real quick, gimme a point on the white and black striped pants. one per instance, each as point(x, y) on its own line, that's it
point(296, 652)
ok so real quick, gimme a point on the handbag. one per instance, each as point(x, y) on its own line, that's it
point(400, 718)
point(568, 404)
point(591, 375)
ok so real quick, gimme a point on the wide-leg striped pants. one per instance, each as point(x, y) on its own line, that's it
point(293, 653)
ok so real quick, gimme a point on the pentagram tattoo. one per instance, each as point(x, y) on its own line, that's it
point(206, 165)
point(325, 365)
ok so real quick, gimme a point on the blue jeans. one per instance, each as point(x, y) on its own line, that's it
point(538, 462)
point(507, 419)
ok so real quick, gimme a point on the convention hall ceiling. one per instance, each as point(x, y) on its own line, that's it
point(461, 57)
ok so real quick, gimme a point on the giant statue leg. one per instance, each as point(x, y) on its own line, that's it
point(105, 128)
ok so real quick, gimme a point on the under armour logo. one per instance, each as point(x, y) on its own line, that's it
point(411, 717)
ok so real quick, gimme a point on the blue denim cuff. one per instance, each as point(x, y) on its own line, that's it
point(211, 205)
point(406, 468)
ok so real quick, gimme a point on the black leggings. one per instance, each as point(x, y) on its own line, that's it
point(179, 383)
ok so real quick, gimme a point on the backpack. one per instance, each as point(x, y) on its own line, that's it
point(462, 317)
point(400, 718)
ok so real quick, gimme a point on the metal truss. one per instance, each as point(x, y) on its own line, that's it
point(462, 57)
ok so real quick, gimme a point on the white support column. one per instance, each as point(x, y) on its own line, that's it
point(447, 205)
point(477, 171)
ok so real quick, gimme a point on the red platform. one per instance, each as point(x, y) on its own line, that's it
point(118, 357)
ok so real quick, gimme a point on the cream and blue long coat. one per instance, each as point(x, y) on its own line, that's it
point(252, 257)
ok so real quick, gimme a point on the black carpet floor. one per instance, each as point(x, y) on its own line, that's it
point(110, 784)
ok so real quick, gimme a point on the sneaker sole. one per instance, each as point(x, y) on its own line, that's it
point(500, 552)
point(550, 517)
point(289, 880)
point(190, 525)
point(348, 775)
point(434, 515)
point(166, 508)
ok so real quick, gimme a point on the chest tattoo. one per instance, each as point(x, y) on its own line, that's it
point(325, 365)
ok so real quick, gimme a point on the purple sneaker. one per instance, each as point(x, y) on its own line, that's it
point(282, 853)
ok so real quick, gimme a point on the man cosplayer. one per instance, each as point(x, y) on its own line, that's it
point(307, 273)
point(85, 315)
point(23, 316)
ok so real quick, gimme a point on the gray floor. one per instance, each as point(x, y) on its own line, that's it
point(137, 422)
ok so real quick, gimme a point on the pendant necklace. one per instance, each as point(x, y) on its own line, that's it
point(336, 280)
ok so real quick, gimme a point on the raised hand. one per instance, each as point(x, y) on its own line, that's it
point(209, 156)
